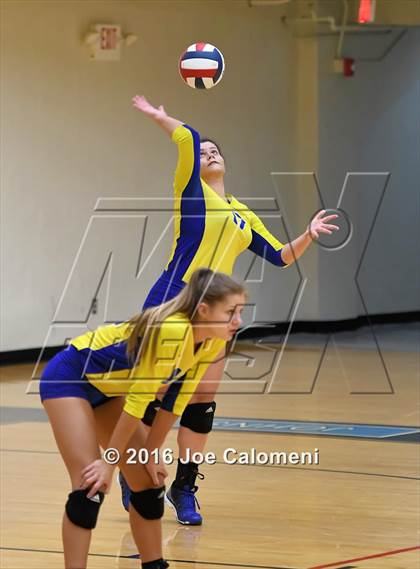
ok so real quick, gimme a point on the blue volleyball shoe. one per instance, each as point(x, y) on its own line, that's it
point(125, 491)
point(181, 495)
point(184, 502)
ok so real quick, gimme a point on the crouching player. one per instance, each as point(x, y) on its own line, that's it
point(96, 390)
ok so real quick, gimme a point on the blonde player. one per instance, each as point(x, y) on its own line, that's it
point(165, 349)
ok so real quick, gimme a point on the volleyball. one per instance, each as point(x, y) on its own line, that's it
point(201, 66)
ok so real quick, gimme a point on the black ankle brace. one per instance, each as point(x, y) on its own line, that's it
point(186, 475)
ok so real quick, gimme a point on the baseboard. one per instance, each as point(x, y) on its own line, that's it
point(275, 328)
point(325, 327)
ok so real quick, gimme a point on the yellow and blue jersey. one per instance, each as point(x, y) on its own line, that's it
point(169, 357)
point(208, 230)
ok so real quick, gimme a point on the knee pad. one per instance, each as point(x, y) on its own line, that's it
point(199, 417)
point(150, 413)
point(149, 503)
point(83, 511)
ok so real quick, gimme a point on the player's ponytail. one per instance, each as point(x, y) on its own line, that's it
point(204, 286)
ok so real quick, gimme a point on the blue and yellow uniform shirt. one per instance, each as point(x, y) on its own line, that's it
point(169, 357)
point(210, 231)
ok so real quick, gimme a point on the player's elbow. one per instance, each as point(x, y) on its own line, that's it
point(282, 260)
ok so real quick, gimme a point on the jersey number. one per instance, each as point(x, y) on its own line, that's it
point(238, 220)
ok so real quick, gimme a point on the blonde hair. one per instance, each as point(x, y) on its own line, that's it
point(205, 285)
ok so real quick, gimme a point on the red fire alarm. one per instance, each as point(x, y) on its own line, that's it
point(348, 67)
point(345, 66)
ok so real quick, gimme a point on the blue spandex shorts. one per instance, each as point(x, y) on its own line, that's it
point(63, 377)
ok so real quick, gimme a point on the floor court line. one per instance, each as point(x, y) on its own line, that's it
point(335, 564)
point(193, 562)
point(224, 564)
point(366, 557)
point(328, 470)
point(362, 431)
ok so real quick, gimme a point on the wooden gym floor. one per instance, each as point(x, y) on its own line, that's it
point(358, 508)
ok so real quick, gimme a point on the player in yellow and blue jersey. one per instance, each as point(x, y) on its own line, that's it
point(96, 390)
point(211, 229)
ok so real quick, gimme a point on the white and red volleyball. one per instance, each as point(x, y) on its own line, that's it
point(201, 65)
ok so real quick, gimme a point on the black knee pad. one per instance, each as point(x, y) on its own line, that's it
point(83, 511)
point(150, 413)
point(149, 503)
point(199, 417)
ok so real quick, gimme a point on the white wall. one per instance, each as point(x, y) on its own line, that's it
point(70, 136)
point(371, 123)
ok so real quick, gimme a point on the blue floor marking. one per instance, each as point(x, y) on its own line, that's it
point(12, 415)
point(309, 428)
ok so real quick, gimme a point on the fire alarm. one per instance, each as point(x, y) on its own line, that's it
point(346, 66)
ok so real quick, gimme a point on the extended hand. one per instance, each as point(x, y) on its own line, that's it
point(97, 476)
point(320, 224)
point(142, 104)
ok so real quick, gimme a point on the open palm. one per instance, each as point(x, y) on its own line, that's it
point(320, 224)
point(142, 104)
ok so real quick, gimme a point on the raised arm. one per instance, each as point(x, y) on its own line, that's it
point(157, 114)
point(187, 173)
